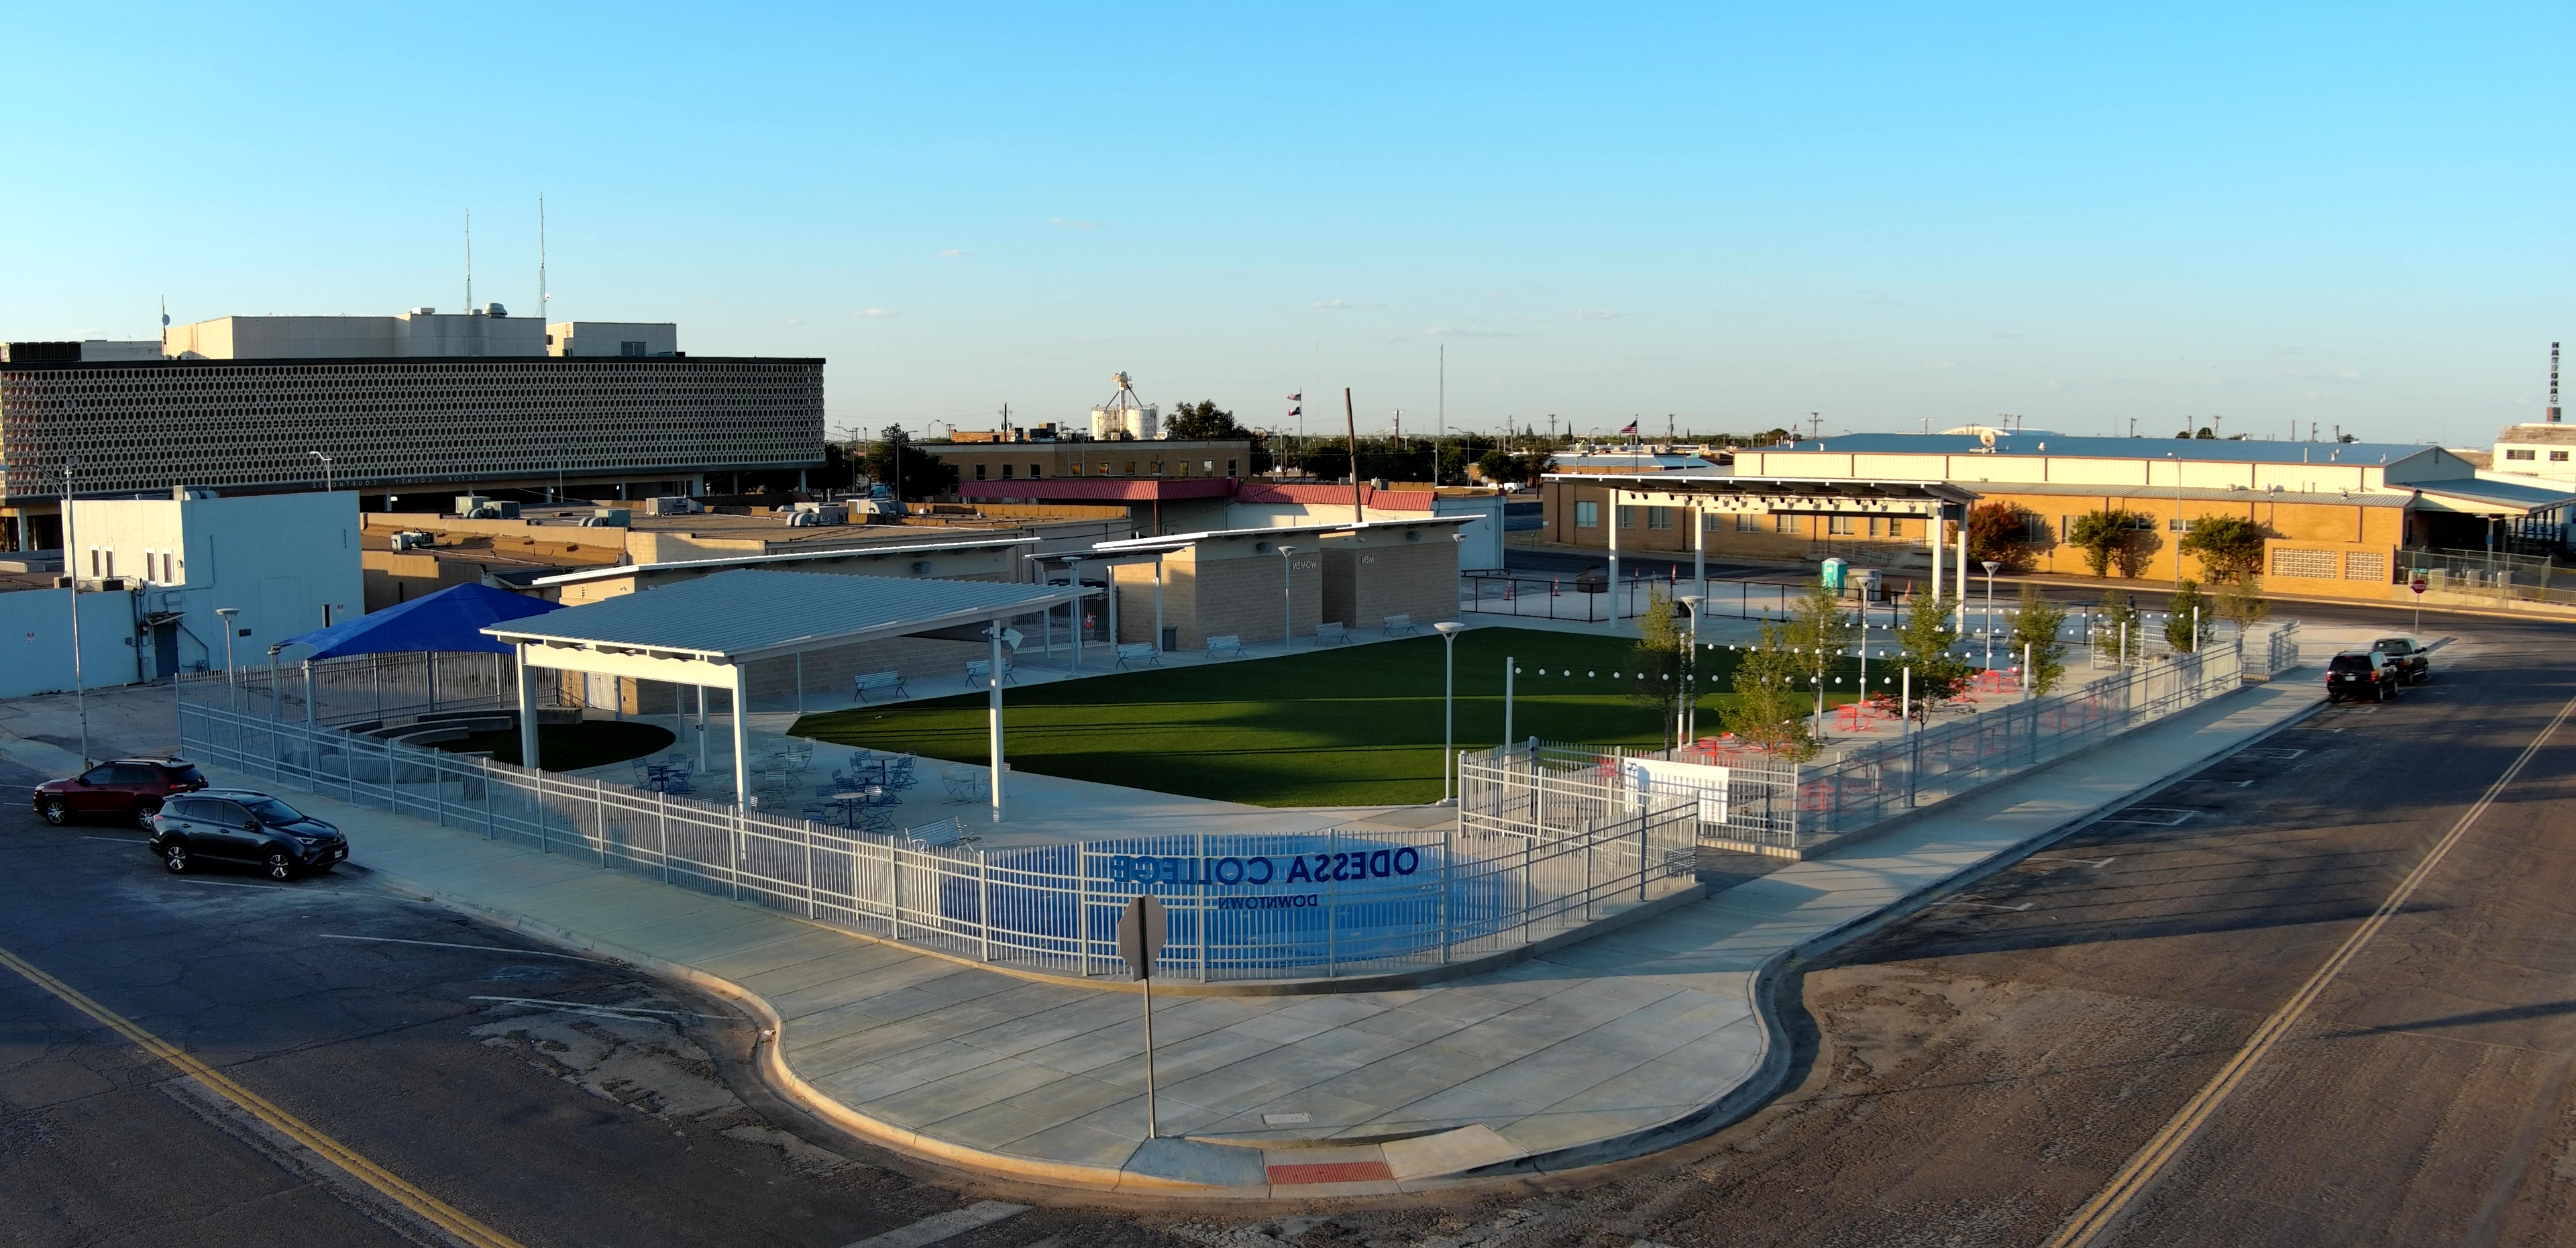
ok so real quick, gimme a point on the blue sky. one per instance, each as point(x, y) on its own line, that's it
point(1887, 214)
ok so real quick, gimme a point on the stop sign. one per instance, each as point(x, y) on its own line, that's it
point(2418, 584)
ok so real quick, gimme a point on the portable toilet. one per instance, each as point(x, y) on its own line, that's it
point(1833, 573)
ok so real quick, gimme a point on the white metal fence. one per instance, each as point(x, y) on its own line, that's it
point(1748, 801)
point(1334, 902)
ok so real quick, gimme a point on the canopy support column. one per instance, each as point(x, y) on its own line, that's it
point(993, 713)
point(527, 713)
point(1611, 522)
point(741, 745)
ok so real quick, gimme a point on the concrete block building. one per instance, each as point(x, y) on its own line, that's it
point(420, 404)
point(1261, 584)
point(286, 564)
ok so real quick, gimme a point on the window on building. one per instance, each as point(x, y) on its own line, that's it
point(1842, 526)
point(1158, 467)
point(1747, 522)
point(1131, 467)
point(1627, 517)
point(1782, 522)
point(1006, 471)
point(2558, 457)
point(1659, 517)
point(1036, 471)
point(630, 348)
point(1229, 467)
point(1208, 466)
point(2034, 529)
point(2517, 455)
point(1895, 527)
point(2176, 524)
point(1077, 467)
point(979, 472)
point(1587, 515)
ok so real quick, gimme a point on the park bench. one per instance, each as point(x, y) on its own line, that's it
point(1138, 652)
point(1400, 626)
point(1334, 634)
point(1225, 644)
point(945, 834)
point(878, 682)
point(981, 670)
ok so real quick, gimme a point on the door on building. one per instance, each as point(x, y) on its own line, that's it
point(165, 649)
point(599, 690)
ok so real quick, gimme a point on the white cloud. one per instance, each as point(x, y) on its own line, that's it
point(954, 253)
point(1446, 331)
point(876, 312)
point(1341, 305)
point(1071, 224)
point(1945, 364)
point(1601, 315)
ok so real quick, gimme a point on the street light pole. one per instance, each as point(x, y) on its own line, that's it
point(1287, 599)
point(1448, 630)
point(71, 564)
point(1690, 672)
point(1991, 566)
point(231, 686)
point(2177, 527)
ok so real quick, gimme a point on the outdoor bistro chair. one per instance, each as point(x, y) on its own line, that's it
point(981, 670)
point(963, 785)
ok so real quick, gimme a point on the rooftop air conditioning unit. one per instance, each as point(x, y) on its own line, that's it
point(608, 518)
point(466, 503)
point(189, 493)
point(413, 539)
point(673, 505)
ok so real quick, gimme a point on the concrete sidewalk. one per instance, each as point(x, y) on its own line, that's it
point(1619, 1045)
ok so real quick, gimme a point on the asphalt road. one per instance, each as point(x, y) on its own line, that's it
point(1971, 1075)
point(623, 1113)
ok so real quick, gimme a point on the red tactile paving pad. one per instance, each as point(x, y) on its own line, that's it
point(1331, 1172)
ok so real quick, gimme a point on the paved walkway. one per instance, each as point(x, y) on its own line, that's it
point(1607, 1048)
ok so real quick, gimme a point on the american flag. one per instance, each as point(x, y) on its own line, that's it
point(1632, 428)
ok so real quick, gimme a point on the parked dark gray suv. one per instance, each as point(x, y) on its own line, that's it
point(238, 825)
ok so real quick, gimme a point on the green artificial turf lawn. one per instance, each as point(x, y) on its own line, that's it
point(1354, 726)
point(571, 747)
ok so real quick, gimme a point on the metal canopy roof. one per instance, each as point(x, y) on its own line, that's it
point(2488, 497)
point(793, 556)
point(758, 613)
point(1784, 493)
point(1175, 541)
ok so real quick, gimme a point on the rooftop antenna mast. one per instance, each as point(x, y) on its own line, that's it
point(545, 315)
point(469, 261)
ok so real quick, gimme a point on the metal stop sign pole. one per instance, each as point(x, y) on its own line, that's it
point(1141, 932)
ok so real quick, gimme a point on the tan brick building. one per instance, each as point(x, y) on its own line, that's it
point(1238, 582)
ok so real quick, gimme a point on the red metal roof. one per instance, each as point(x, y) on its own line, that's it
point(1118, 490)
point(1391, 500)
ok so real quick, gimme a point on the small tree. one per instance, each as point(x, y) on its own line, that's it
point(2001, 531)
point(2230, 548)
point(2190, 618)
point(1926, 638)
point(1663, 645)
point(1201, 421)
point(2242, 603)
point(1819, 630)
point(2035, 629)
point(2117, 618)
point(2100, 535)
point(1768, 712)
point(911, 473)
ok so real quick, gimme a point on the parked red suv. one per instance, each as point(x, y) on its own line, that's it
point(129, 788)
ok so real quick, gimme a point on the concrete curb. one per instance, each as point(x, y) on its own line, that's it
point(1163, 1169)
point(1758, 1088)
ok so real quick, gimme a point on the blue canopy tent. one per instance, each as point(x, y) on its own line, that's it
point(452, 619)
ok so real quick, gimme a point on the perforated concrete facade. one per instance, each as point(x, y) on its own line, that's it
point(147, 426)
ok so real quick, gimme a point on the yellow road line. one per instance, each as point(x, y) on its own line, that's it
point(437, 1212)
point(2098, 1213)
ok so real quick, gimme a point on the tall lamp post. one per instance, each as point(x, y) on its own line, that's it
point(71, 564)
point(326, 469)
point(1287, 599)
point(1448, 630)
point(2177, 527)
point(1992, 566)
point(1690, 673)
point(231, 686)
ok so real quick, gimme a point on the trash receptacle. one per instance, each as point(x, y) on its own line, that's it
point(1171, 637)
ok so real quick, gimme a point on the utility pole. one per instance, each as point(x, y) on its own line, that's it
point(1816, 420)
point(1441, 429)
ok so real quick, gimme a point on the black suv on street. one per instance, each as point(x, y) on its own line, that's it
point(128, 788)
point(2414, 662)
point(2362, 674)
point(237, 825)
